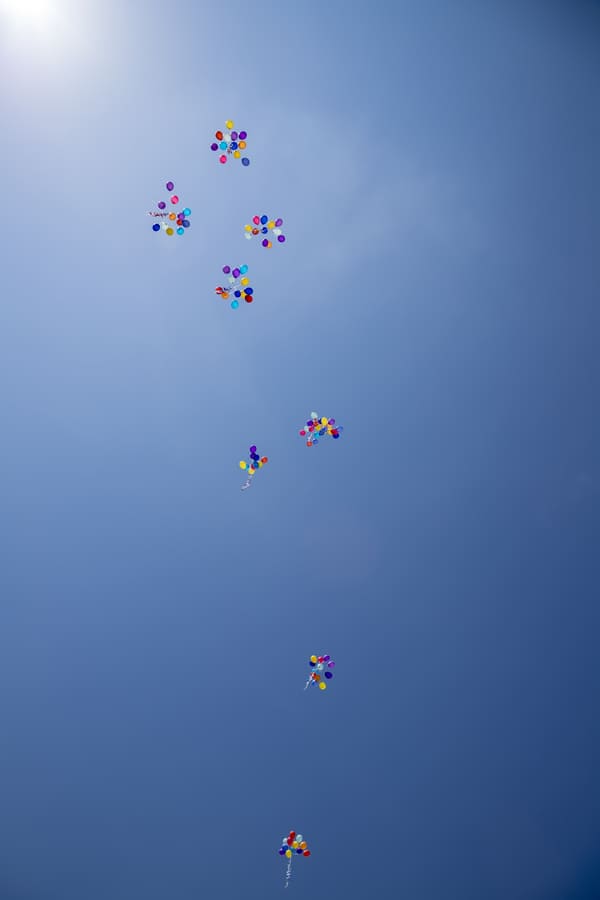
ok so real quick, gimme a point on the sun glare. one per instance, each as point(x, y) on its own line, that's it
point(36, 14)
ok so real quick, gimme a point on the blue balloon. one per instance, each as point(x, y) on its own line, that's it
point(185, 223)
point(156, 227)
point(249, 291)
point(245, 161)
point(263, 220)
point(243, 269)
point(233, 145)
point(328, 674)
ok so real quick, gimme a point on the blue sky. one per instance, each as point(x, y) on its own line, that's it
point(436, 167)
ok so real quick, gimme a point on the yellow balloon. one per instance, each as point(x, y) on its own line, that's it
point(170, 231)
point(245, 281)
point(260, 465)
point(270, 224)
point(322, 686)
point(295, 845)
point(324, 421)
point(313, 659)
point(288, 853)
point(247, 227)
point(229, 124)
point(243, 464)
point(237, 154)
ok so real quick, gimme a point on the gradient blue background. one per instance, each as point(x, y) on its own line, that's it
point(437, 168)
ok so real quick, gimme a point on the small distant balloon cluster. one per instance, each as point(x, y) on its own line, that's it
point(321, 667)
point(238, 285)
point(316, 428)
point(262, 225)
point(292, 845)
point(172, 221)
point(256, 462)
point(230, 143)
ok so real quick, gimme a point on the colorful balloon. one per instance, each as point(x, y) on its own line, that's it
point(293, 844)
point(255, 463)
point(230, 143)
point(318, 427)
point(238, 287)
point(321, 671)
point(181, 218)
point(261, 226)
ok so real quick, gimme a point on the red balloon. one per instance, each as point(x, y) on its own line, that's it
point(292, 834)
point(306, 853)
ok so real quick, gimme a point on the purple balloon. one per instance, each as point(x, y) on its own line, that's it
point(242, 135)
point(236, 273)
point(281, 238)
point(234, 136)
point(226, 269)
point(331, 422)
point(170, 185)
point(214, 146)
point(278, 223)
point(162, 204)
point(253, 448)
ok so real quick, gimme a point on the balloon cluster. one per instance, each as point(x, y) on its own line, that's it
point(261, 225)
point(172, 221)
point(230, 143)
point(319, 427)
point(256, 463)
point(293, 844)
point(321, 669)
point(239, 286)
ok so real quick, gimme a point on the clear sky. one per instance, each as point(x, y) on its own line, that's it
point(437, 169)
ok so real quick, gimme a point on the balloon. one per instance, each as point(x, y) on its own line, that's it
point(288, 853)
point(307, 852)
point(322, 685)
point(261, 226)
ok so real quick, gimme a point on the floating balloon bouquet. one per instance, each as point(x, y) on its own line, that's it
point(239, 286)
point(230, 143)
point(252, 467)
point(171, 221)
point(320, 673)
point(317, 427)
point(292, 845)
point(262, 225)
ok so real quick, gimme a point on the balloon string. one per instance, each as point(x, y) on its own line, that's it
point(158, 215)
point(288, 874)
point(248, 483)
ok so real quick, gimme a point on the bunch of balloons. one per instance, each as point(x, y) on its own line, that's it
point(261, 225)
point(293, 844)
point(230, 143)
point(239, 286)
point(319, 427)
point(256, 463)
point(172, 221)
point(320, 671)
